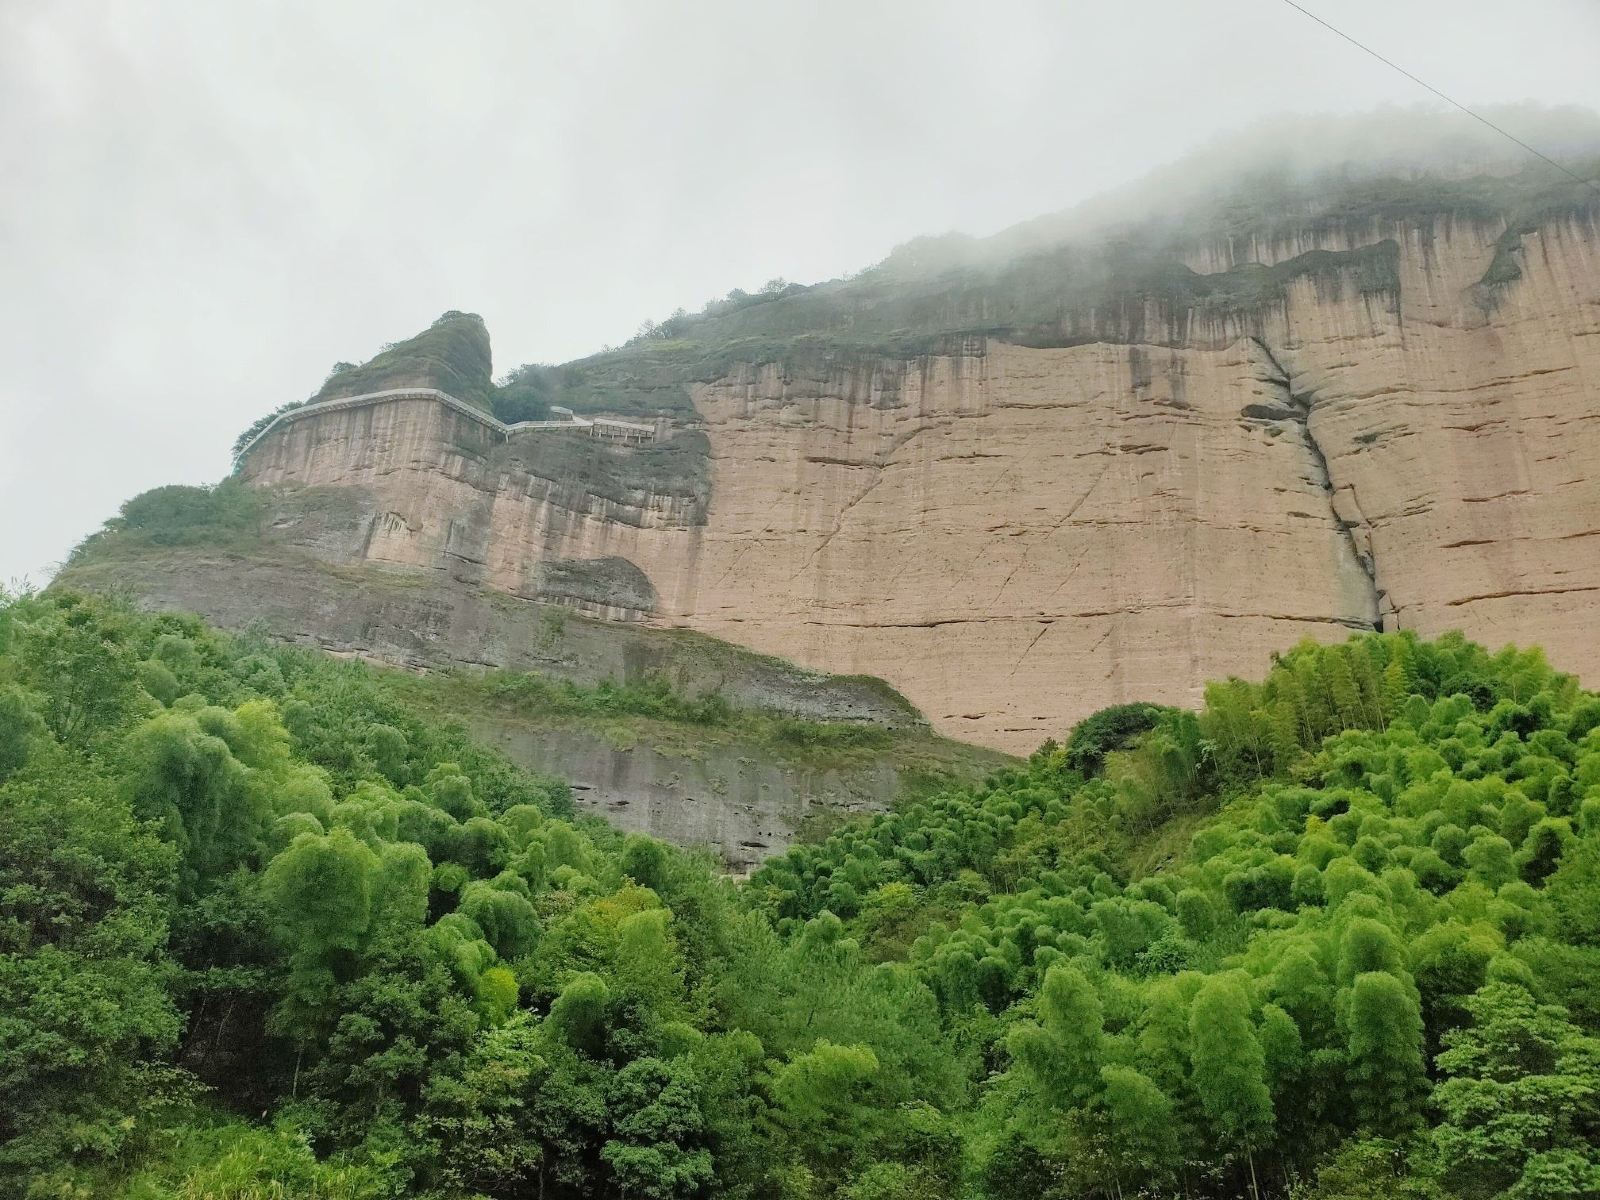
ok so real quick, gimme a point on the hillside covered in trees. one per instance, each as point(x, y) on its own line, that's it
point(265, 932)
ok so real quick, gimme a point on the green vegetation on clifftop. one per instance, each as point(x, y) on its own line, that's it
point(452, 355)
point(1053, 281)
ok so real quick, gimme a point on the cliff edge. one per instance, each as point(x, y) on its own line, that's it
point(1028, 478)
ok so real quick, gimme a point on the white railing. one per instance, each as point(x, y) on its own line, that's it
point(596, 426)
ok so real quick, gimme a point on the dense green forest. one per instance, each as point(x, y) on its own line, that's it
point(266, 933)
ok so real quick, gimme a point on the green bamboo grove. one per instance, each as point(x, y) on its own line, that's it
point(265, 932)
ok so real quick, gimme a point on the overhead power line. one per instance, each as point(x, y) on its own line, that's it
point(1590, 183)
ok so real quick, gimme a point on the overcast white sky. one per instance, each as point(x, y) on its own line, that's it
point(204, 205)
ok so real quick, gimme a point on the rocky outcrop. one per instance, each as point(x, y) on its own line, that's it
point(744, 802)
point(452, 355)
point(422, 621)
point(535, 514)
point(1092, 478)
point(739, 788)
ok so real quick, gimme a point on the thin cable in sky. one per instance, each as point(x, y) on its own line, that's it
point(1424, 83)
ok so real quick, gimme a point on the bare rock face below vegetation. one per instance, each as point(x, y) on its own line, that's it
point(1017, 535)
point(420, 621)
point(744, 802)
point(732, 788)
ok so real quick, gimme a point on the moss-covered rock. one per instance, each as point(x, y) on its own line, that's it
point(452, 355)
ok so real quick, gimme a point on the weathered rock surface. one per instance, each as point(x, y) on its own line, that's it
point(735, 788)
point(423, 621)
point(1018, 486)
point(744, 802)
point(1016, 535)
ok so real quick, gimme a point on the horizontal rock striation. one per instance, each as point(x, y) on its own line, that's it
point(519, 514)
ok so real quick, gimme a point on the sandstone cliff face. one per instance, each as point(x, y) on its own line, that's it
point(1018, 535)
point(743, 804)
point(1030, 534)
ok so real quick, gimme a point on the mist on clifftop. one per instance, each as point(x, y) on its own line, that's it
point(1292, 158)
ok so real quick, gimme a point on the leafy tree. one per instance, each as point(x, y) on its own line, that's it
point(321, 889)
point(75, 657)
point(1573, 891)
point(504, 915)
point(478, 1123)
point(1142, 1131)
point(1063, 1052)
point(1542, 849)
point(579, 1014)
point(20, 729)
point(655, 1150)
point(1110, 729)
point(85, 1014)
point(1521, 1100)
point(1370, 1168)
point(1385, 1046)
point(820, 1103)
point(185, 777)
point(1230, 1067)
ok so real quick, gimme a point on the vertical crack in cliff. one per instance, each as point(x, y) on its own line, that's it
point(1300, 404)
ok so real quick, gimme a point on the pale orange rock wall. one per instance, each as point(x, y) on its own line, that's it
point(1469, 443)
point(1016, 537)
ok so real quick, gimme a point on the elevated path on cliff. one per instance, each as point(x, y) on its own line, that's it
point(605, 428)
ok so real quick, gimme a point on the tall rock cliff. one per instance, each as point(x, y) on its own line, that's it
point(1028, 478)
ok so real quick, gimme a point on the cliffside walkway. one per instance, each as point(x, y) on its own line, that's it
point(628, 433)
